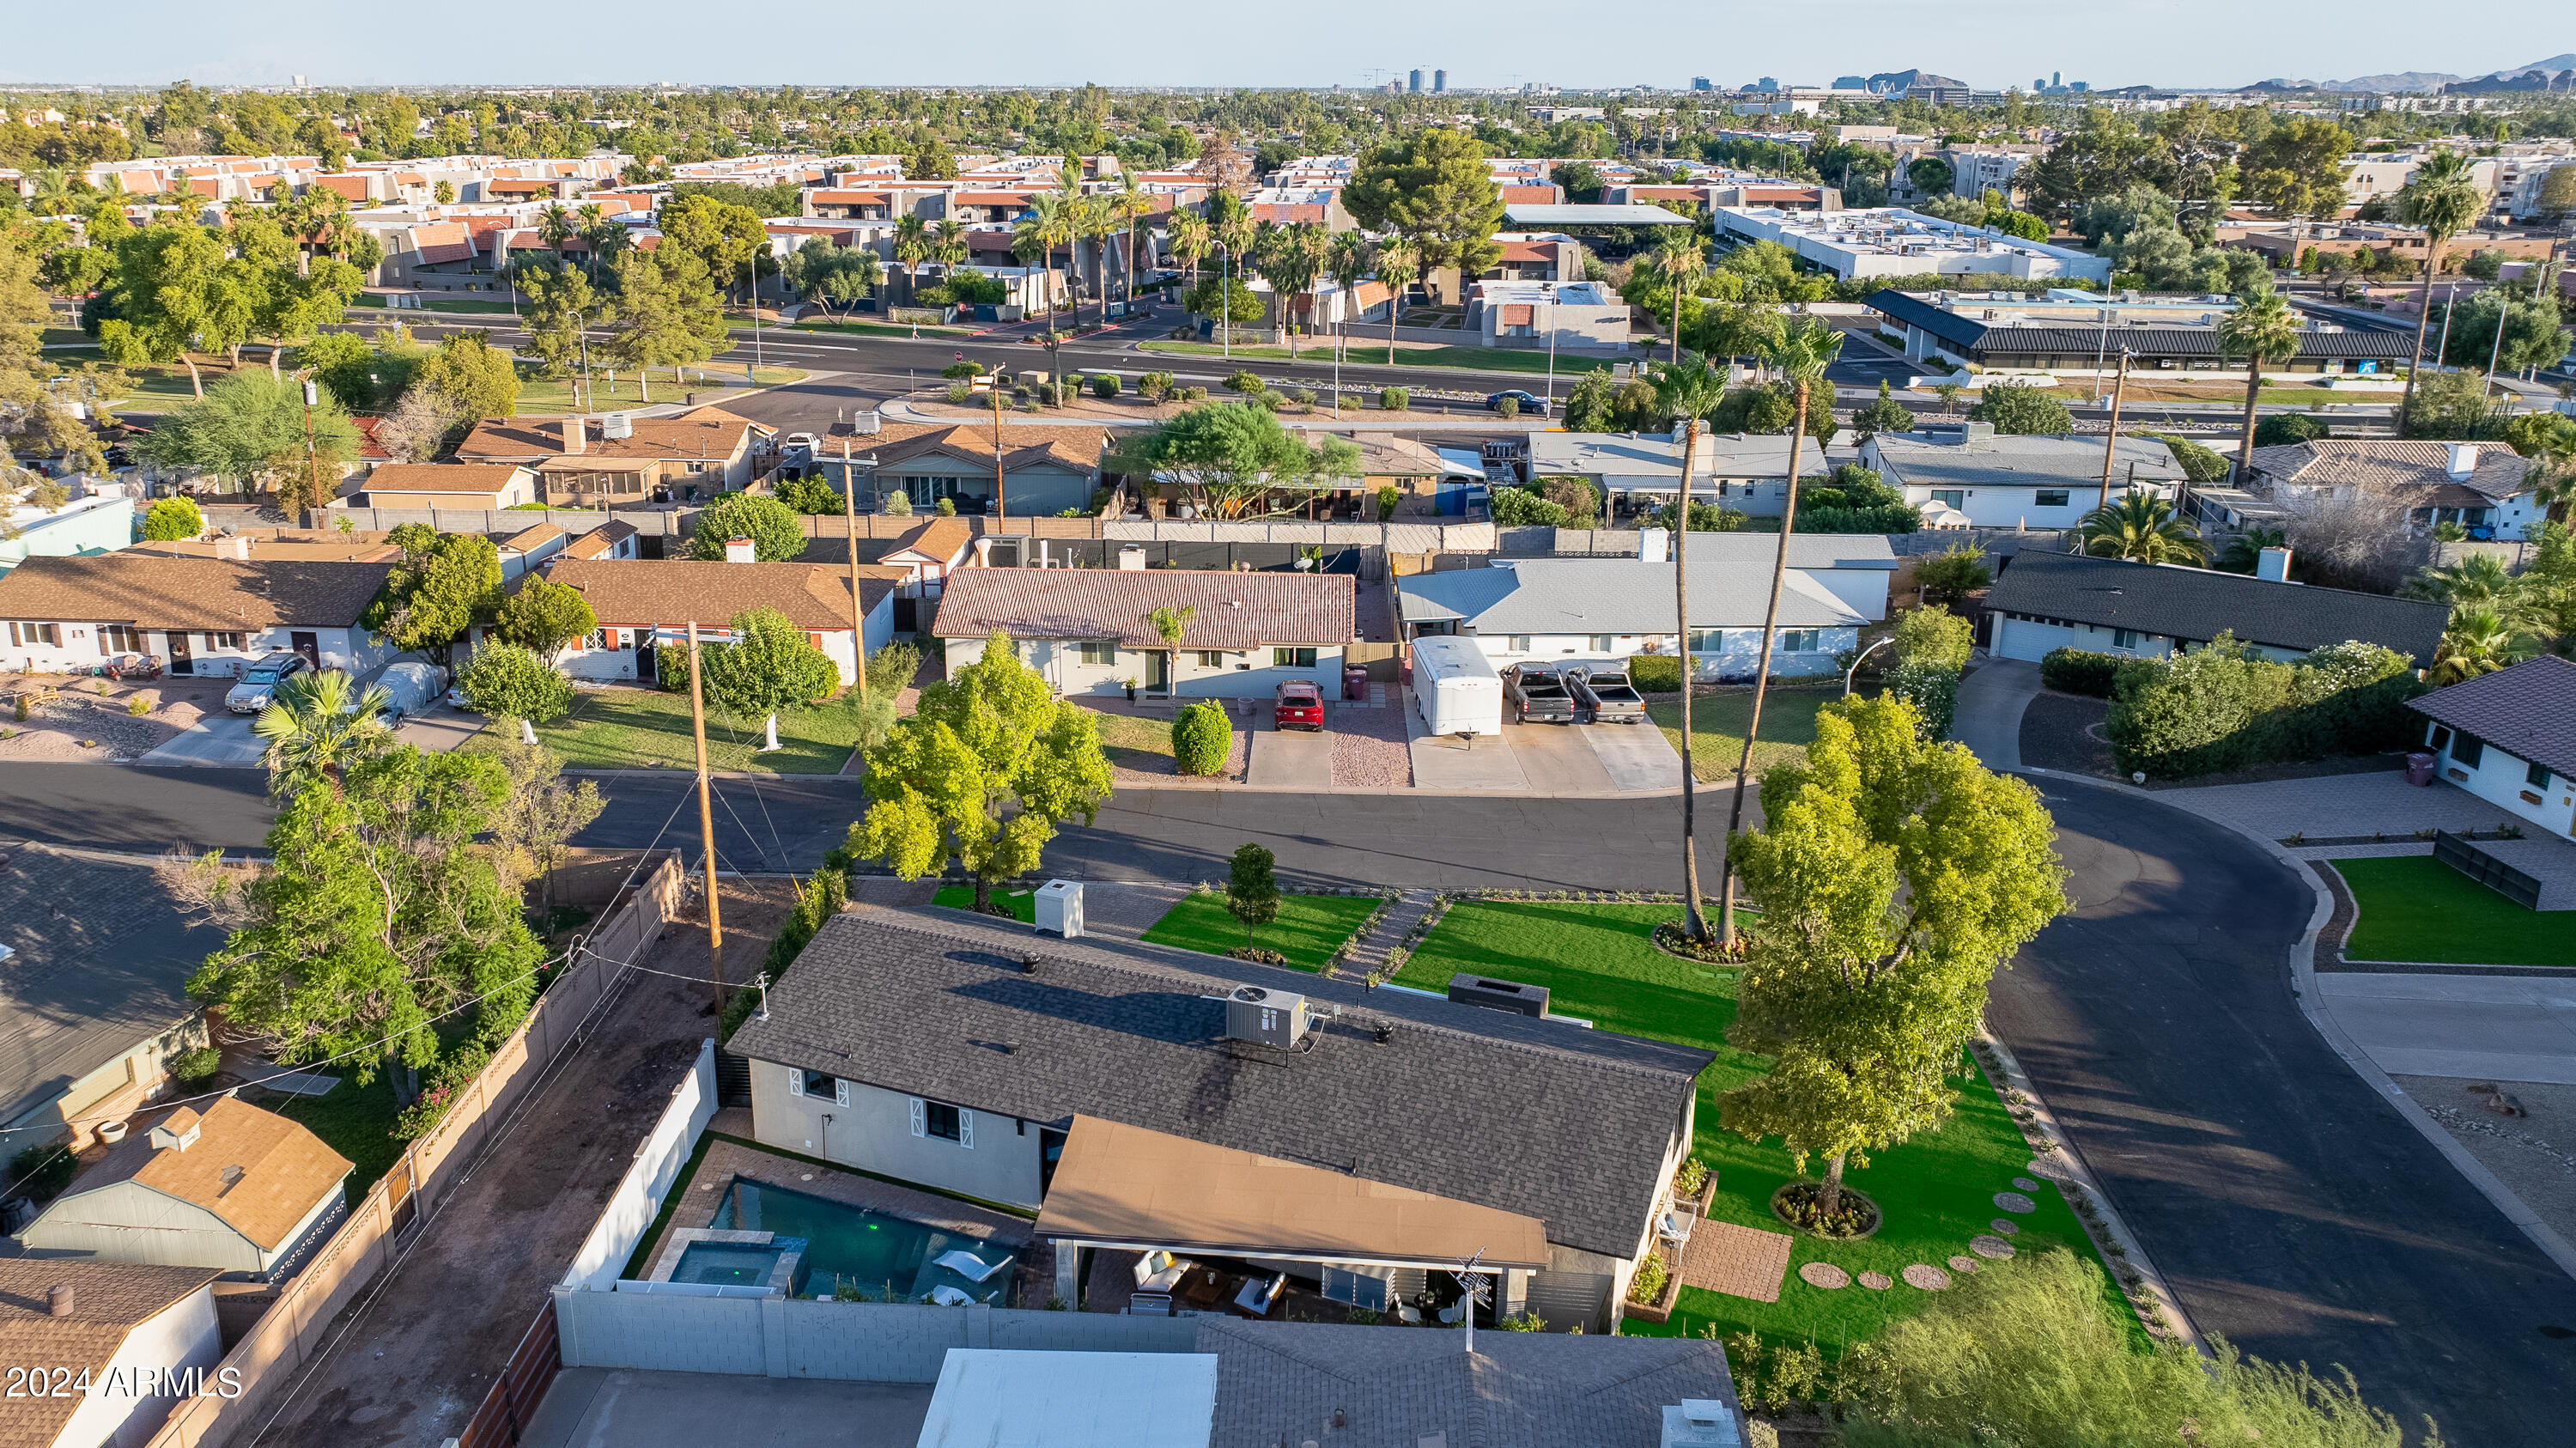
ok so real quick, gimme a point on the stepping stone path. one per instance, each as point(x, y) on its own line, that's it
point(1369, 952)
point(1877, 1281)
point(1930, 1279)
point(1963, 1264)
point(2005, 1225)
point(2025, 1184)
point(2015, 1202)
point(1995, 1247)
point(1825, 1275)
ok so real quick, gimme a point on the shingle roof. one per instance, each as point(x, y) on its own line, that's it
point(1518, 1390)
point(708, 432)
point(598, 541)
point(1614, 596)
point(2393, 462)
point(441, 477)
point(1235, 610)
point(109, 1300)
point(2198, 604)
point(942, 540)
point(1535, 1117)
point(283, 1169)
point(157, 591)
point(2528, 711)
point(634, 591)
point(1073, 447)
point(2042, 461)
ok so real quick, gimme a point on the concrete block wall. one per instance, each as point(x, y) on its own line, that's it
point(638, 1195)
point(846, 1341)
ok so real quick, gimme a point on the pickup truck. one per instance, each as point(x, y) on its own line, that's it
point(1538, 691)
point(1606, 692)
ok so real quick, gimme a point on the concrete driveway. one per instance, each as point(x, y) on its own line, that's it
point(1991, 701)
point(1445, 764)
point(218, 741)
point(1554, 759)
point(1636, 757)
point(1290, 758)
point(2501, 1028)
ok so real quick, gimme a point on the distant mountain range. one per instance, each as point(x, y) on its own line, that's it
point(2547, 74)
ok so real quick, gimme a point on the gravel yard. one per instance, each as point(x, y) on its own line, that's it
point(58, 722)
point(1368, 746)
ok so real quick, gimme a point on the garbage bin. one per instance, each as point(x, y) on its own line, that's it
point(1355, 684)
point(2419, 768)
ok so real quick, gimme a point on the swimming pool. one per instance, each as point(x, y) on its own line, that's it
point(730, 1264)
point(881, 1255)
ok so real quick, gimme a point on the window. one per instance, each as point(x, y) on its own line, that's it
point(939, 1121)
point(1517, 643)
point(1211, 658)
point(1292, 658)
point(117, 638)
point(223, 641)
point(2441, 739)
point(1601, 643)
point(1100, 651)
point(1950, 497)
point(35, 633)
point(2537, 776)
point(1707, 640)
point(1799, 640)
point(2049, 498)
point(2467, 749)
point(2124, 638)
point(818, 1086)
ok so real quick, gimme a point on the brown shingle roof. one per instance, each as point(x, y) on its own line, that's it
point(284, 1169)
point(2386, 462)
point(709, 432)
point(109, 1301)
point(598, 541)
point(940, 538)
point(1235, 610)
point(190, 593)
point(480, 478)
point(1075, 447)
point(635, 592)
point(527, 539)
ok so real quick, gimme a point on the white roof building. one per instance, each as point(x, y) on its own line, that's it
point(1895, 242)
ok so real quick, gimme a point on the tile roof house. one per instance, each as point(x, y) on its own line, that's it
point(638, 600)
point(201, 615)
point(105, 1324)
point(959, 1054)
point(244, 1191)
point(1090, 629)
point(2044, 601)
point(2477, 485)
point(2510, 737)
point(655, 458)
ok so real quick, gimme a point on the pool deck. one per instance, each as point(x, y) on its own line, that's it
point(726, 1160)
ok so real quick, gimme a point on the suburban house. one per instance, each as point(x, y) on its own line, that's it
point(80, 527)
point(934, 549)
point(623, 459)
point(200, 615)
point(612, 539)
point(1089, 629)
point(244, 1191)
point(140, 1337)
point(530, 548)
point(2510, 737)
point(94, 965)
point(2480, 486)
point(1537, 609)
point(1268, 1115)
point(1742, 471)
point(1045, 470)
point(1964, 475)
point(482, 486)
point(639, 602)
point(2047, 601)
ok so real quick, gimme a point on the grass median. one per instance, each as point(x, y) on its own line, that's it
point(1474, 359)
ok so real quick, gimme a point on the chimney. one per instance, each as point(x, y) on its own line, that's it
point(576, 434)
point(739, 550)
point(58, 1300)
point(2464, 459)
point(2274, 564)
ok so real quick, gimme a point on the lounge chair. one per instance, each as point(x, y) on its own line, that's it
point(967, 1265)
point(1676, 1227)
point(1257, 1296)
point(944, 1295)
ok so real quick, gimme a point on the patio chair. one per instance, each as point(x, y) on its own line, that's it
point(967, 1265)
point(1257, 1296)
point(1159, 1272)
point(1675, 1227)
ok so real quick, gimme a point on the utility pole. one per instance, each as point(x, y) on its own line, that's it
point(581, 329)
point(706, 822)
point(1001, 500)
point(752, 264)
point(850, 516)
point(2111, 440)
point(313, 462)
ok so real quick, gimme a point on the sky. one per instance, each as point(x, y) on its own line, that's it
point(1323, 42)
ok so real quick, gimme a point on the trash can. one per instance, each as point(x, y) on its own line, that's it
point(2419, 768)
point(1355, 684)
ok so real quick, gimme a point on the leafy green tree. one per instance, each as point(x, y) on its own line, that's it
point(2296, 167)
point(1252, 888)
point(559, 304)
point(1235, 462)
point(173, 518)
point(345, 366)
point(250, 425)
point(769, 666)
point(473, 378)
point(442, 585)
point(2141, 527)
point(2261, 329)
point(1241, 304)
point(1587, 408)
point(1894, 876)
point(1931, 175)
point(1948, 577)
point(777, 535)
point(982, 772)
point(2017, 410)
point(667, 314)
point(1885, 414)
point(509, 681)
point(725, 238)
point(1934, 636)
point(175, 296)
point(317, 725)
point(2016, 223)
point(846, 275)
point(810, 496)
point(543, 616)
point(2441, 197)
point(2283, 429)
point(1433, 188)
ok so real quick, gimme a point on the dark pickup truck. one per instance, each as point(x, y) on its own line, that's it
point(1538, 691)
point(1606, 693)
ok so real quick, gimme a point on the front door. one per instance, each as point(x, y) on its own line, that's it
point(1158, 673)
point(309, 645)
point(181, 661)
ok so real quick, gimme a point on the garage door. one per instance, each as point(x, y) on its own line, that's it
point(2019, 638)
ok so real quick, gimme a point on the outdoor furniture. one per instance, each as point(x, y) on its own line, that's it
point(967, 1265)
point(1159, 1272)
point(1202, 1288)
point(1150, 1304)
point(1257, 1296)
point(1675, 1227)
point(946, 1296)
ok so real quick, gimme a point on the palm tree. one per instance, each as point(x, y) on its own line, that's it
point(948, 245)
point(1049, 224)
point(2477, 581)
point(1398, 263)
point(2245, 550)
point(1681, 261)
point(317, 724)
point(2261, 329)
point(1132, 205)
point(555, 227)
point(2142, 528)
point(1802, 354)
point(2477, 642)
point(1100, 221)
point(1689, 394)
point(2441, 197)
point(1348, 262)
point(1291, 257)
point(1235, 232)
point(1191, 240)
point(912, 248)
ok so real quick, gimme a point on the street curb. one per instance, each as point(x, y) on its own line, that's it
point(2303, 977)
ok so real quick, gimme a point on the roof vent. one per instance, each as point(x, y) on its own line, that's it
point(58, 1300)
point(1028, 965)
point(231, 1177)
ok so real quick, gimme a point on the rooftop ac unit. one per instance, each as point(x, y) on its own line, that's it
point(1267, 1017)
point(617, 424)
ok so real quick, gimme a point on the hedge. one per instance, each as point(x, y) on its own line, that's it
point(1894, 518)
point(2222, 707)
point(1655, 673)
point(2079, 671)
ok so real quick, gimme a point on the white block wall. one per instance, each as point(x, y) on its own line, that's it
point(845, 1341)
point(631, 1207)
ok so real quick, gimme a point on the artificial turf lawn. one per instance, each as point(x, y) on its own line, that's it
point(1935, 1191)
point(2415, 908)
point(1310, 928)
point(1022, 904)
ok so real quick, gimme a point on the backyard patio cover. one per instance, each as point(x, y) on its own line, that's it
point(1125, 1186)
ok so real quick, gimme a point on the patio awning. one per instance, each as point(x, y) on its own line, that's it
point(1124, 1186)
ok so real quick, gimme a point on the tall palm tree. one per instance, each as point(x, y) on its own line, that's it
point(948, 244)
point(317, 724)
point(1049, 222)
point(2142, 528)
point(1398, 263)
point(1681, 261)
point(2262, 329)
point(2480, 641)
point(2441, 197)
point(1689, 394)
point(911, 248)
point(1191, 240)
point(1348, 262)
point(1100, 220)
point(1132, 205)
point(1802, 353)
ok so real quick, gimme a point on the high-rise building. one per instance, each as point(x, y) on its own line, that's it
point(2053, 78)
point(1439, 82)
point(1851, 82)
point(1700, 83)
point(1767, 84)
point(1417, 82)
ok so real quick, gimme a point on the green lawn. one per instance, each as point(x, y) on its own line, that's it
point(1718, 720)
point(1936, 1191)
point(1477, 359)
point(874, 329)
point(353, 1120)
point(2414, 907)
point(1022, 904)
point(642, 728)
point(1310, 928)
point(546, 395)
point(1130, 740)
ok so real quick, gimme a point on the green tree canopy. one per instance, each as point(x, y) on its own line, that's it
point(175, 295)
point(251, 425)
point(173, 518)
point(505, 680)
point(2017, 410)
point(767, 667)
point(442, 586)
point(667, 313)
point(777, 535)
point(473, 378)
point(560, 303)
point(1252, 888)
point(543, 616)
point(1433, 187)
point(1234, 461)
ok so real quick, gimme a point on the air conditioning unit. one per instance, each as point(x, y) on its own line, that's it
point(617, 424)
point(1265, 1017)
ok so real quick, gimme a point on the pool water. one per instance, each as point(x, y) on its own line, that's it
point(885, 1257)
point(728, 1264)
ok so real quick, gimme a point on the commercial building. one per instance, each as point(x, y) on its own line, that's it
point(1541, 313)
point(2069, 330)
point(1894, 242)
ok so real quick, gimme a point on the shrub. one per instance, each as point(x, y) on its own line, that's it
point(1194, 394)
point(2198, 463)
point(2016, 409)
point(1202, 738)
point(1388, 500)
point(1935, 636)
point(1886, 518)
point(960, 371)
point(507, 680)
point(171, 519)
point(777, 535)
point(820, 900)
point(2079, 671)
point(195, 1068)
point(1952, 574)
point(1154, 385)
point(1252, 888)
point(1244, 381)
point(40, 1173)
point(898, 504)
point(1105, 387)
point(1270, 401)
point(140, 705)
point(1648, 1285)
point(894, 667)
point(2282, 429)
point(1048, 396)
point(1692, 1176)
point(1580, 500)
point(960, 394)
point(1655, 673)
point(1932, 690)
point(1394, 399)
point(2223, 707)
point(945, 508)
point(1305, 396)
point(1520, 507)
point(1508, 407)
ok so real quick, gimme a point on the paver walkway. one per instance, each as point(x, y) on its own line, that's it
point(1368, 953)
point(1738, 1261)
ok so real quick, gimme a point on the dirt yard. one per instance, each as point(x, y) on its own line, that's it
point(72, 721)
point(411, 1365)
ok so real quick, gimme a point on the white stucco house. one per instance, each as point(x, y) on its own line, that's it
point(200, 615)
point(638, 600)
point(1967, 474)
point(135, 1339)
point(1088, 630)
point(2510, 738)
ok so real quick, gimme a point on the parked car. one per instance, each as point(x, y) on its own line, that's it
point(1538, 691)
point(261, 681)
point(410, 688)
point(794, 440)
point(1530, 406)
point(1605, 692)
point(1300, 706)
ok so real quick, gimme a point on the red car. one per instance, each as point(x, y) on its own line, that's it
point(1300, 706)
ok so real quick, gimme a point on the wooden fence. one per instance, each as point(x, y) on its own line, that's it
point(521, 1387)
point(292, 1332)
